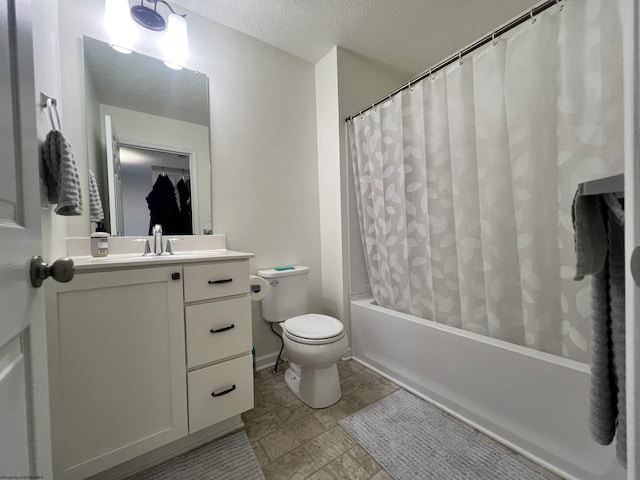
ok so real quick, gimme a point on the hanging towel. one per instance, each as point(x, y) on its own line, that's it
point(96, 213)
point(163, 206)
point(599, 239)
point(61, 175)
point(615, 226)
point(185, 207)
point(590, 235)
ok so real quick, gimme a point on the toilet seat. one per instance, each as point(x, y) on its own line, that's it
point(308, 341)
point(313, 329)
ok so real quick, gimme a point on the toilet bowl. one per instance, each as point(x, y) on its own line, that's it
point(314, 343)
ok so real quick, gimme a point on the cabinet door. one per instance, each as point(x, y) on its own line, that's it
point(117, 367)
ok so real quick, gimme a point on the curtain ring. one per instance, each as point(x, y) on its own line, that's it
point(493, 39)
point(460, 58)
point(533, 19)
point(560, 3)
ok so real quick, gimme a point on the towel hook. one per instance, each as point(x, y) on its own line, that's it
point(50, 103)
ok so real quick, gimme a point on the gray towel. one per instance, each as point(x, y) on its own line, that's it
point(599, 237)
point(96, 213)
point(590, 234)
point(61, 175)
point(617, 313)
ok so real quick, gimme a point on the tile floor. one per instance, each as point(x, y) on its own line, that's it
point(293, 441)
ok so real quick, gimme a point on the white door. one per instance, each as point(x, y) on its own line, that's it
point(114, 179)
point(24, 415)
point(631, 22)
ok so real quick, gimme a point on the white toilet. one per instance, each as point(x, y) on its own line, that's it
point(314, 342)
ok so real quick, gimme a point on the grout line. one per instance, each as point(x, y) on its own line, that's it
point(311, 413)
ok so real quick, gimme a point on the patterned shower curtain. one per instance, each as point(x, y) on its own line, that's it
point(465, 182)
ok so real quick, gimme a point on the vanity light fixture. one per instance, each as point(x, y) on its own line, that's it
point(118, 24)
point(175, 41)
point(150, 18)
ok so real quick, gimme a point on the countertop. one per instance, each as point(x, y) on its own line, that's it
point(130, 260)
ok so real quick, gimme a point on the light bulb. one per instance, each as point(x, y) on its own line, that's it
point(173, 66)
point(175, 42)
point(118, 24)
point(120, 49)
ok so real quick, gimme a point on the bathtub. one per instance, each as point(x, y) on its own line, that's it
point(533, 402)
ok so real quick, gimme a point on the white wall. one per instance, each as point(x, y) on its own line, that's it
point(46, 55)
point(150, 130)
point(263, 140)
point(329, 180)
point(135, 189)
point(345, 83)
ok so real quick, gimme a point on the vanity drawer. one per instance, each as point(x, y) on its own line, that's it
point(217, 329)
point(232, 384)
point(214, 280)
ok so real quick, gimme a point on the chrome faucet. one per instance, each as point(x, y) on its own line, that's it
point(157, 239)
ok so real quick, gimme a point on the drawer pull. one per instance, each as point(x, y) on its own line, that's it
point(223, 329)
point(215, 282)
point(224, 392)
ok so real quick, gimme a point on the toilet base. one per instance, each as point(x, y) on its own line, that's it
point(316, 387)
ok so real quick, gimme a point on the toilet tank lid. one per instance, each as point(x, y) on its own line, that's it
point(280, 272)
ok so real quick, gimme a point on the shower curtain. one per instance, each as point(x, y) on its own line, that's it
point(465, 181)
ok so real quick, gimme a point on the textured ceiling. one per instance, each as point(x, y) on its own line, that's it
point(145, 84)
point(409, 35)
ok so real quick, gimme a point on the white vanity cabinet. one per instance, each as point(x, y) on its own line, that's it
point(132, 367)
point(218, 326)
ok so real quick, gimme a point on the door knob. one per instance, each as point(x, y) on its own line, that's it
point(61, 270)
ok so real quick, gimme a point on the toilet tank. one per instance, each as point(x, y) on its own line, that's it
point(288, 294)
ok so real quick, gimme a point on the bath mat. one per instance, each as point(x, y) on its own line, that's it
point(228, 458)
point(412, 439)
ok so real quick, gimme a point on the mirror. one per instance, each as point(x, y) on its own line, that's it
point(148, 143)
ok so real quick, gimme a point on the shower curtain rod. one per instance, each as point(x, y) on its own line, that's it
point(531, 14)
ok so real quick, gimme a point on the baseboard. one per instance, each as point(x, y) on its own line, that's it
point(167, 452)
point(268, 360)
